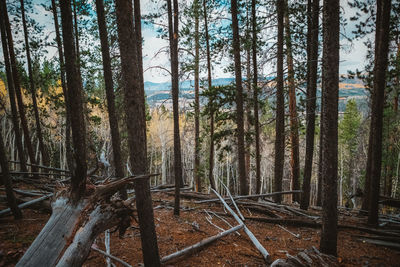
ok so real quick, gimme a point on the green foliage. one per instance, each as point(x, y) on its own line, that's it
point(349, 127)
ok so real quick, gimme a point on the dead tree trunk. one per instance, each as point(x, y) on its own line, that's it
point(134, 103)
point(68, 235)
point(11, 92)
point(280, 108)
point(42, 147)
point(244, 185)
point(329, 132)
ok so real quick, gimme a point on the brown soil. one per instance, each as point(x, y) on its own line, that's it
point(175, 233)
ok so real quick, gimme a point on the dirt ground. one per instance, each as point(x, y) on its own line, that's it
point(175, 233)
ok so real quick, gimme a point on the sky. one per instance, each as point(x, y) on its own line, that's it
point(352, 55)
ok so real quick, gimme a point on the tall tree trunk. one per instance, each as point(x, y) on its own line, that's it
point(173, 41)
point(76, 35)
point(68, 147)
point(78, 179)
point(17, 87)
point(196, 174)
point(378, 99)
point(11, 91)
point(312, 70)
point(209, 79)
point(134, 103)
point(294, 126)
point(42, 147)
point(138, 35)
point(280, 107)
point(244, 185)
point(330, 95)
point(6, 180)
point(255, 96)
point(112, 115)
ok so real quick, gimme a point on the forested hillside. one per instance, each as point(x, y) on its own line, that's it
point(265, 131)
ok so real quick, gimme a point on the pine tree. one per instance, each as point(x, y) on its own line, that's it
point(375, 141)
point(329, 132)
point(312, 70)
point(280, 107)
point(78, 179)
point(244, 186)
point(134, 103)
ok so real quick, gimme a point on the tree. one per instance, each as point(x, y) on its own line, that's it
point(294, 131)
point(173, 43)
point(280, 107)
point(349, 128)
point(6, 180)
point(244, 186)
point(64, 87)
point(42, 147)
point(374, 161)
point(136, 117)
point(255, 96)
point(78, 179)
point(17, 88)
point(11, 90)
point(112, 116)
point(196, 7)
point(330, 95)
point(209, 79)
point(312, 70)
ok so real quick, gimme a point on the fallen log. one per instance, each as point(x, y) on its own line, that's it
point(41, 166)
point(26, 204)
point(389, 244)
point(67, 237)
point(39, 173)
point(200, 244)
point(253, 239)
point(251, 196)
point(314, 224)
point(111, 257)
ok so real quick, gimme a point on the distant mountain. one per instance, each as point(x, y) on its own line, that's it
point(159, 93)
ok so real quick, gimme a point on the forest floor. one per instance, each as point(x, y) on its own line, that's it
point(175, 233)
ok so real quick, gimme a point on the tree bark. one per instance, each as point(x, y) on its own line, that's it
point(78, 179)
point(280, 107)
point(196, 174)
point(244, 185)
point(312, 72)
point(173, 42)
point(134, 103)
point(255, 96)
point(330, 95)
point(11, 92)
point(112, 115)
point(209, 79)
point(6, 180)
point(378, 99)
point(68, 147)
point(42, 147)
point(17, 88)
point(294, 125)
